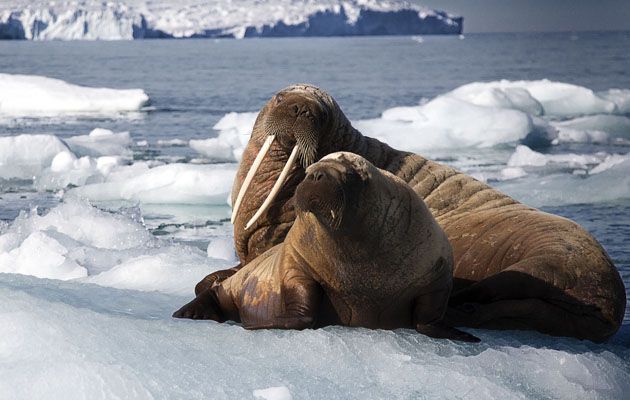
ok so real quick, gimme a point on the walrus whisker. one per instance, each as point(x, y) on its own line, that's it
point(276, 188)
point(250, 174)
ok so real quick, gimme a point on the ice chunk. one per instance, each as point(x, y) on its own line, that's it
point(101, 142)
point(594, 129)
point(31, 95)
point(524, 156)
point(66, 169)
point(554, 98)
point(25, 156)
point(607, 182)
point(234, 130)
point(610, 162)
point(77, 241)
point(621, 98)
point(448, 122)
point(42, 256)
point(499, 95)
point(273, 393)
point(222, 248)
point(166, 184)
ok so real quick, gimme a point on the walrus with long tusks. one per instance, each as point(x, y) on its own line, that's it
point(515, 267)
point(363, 251)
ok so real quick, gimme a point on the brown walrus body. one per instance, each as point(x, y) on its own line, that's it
point(364, 251)
point(515, 267)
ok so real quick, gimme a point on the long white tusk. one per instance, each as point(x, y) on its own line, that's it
point(250, 174)
point(276, 188)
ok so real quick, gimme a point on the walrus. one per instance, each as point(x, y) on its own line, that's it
point(515, 267)
point(364, 251)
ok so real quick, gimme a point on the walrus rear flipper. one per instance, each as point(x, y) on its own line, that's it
point(439, 330)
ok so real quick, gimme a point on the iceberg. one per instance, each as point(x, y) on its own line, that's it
point(38, 96)
point(137, 19)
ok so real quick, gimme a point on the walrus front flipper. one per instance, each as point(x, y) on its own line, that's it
point(215, 277)
point(439, 330)
point(204, 306)
point(298, 303)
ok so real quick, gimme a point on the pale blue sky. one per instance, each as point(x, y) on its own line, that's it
point(538, 15)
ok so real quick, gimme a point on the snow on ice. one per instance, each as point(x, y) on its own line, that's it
point(31, 95)
point(107, 332)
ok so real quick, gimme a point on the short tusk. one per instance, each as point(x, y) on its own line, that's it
point(250, 174)
point(276, 188)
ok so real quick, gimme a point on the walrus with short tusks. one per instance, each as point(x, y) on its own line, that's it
point(364, 251)
point(515, 267)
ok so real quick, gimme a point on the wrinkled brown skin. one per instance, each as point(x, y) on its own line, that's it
point(515, 267)
point(364, 251)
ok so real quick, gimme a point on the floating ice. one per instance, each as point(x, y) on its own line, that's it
point(75, 240)
point(234, 130)
point(594, 129)
point(167, 184)
point(479, 114)
point(101, 142)
point(483, 114)
point(273, 393)
point(34, 96)
point(222, 248)
point(524, 156)
point(66, 169)
point(24, 156)
point(544, 97)
point(608, 181)
point(448, 122)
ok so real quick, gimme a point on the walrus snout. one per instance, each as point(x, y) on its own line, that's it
point(322, 193)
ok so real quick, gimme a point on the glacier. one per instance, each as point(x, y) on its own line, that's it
point(140, 19)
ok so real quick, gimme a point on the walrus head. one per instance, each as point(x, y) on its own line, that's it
point(306, 123)
point(333, 189)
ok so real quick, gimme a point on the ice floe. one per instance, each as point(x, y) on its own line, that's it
point(35, 96)
point(609, 180)
point(101, 142)
point(77, 241)
point(165, 184)
point(101, 327)
point(24, 156)
point(479, 114)
point(76, 340)
point(233, 132)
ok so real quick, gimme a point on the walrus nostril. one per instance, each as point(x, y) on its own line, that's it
point(296, 110)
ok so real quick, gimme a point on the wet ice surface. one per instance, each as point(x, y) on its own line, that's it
point(104, 233)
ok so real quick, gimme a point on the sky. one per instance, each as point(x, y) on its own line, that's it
point(538, 15)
